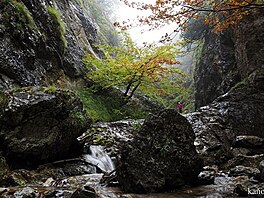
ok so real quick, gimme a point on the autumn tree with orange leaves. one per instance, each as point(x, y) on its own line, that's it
point(132, 68)
point(218, 14)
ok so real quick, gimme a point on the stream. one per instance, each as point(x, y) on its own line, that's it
point(222, 187)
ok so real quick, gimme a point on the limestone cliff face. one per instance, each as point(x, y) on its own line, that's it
point(228, 58)
point(249, 45)
point(43, 41)
point(238, 112)
point(216, 72)
point(229, 90)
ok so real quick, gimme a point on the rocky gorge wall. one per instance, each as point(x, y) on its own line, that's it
point(229, 91)
point(228, 58)
point(43, 42)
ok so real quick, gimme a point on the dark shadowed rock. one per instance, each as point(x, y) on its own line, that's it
point(208, 174)
point(261, 168)
point(40, 125)
point(216, 71)
point(249, 161)
point(248, 142)
point(161, 156)
point(58, 194)
point(247, 188)
point(84, 192)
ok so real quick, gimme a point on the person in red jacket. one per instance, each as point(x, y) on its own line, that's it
point(179, 106)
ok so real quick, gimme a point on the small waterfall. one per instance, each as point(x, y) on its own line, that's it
point(99, 158)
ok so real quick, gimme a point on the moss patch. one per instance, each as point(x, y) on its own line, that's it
point(58, 22)
point(16, 15)
point(109, 107)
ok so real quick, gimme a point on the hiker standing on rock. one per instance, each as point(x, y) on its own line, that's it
point(179, 106)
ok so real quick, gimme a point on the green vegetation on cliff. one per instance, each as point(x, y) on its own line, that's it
point(56, 18)
point(109, 106)
point(17, 15)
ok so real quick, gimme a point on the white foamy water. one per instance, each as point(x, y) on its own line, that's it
point(99, 158)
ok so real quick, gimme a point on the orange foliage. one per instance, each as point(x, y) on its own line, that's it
point(220, 14)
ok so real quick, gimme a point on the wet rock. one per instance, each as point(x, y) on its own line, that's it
point(248, 161)
point(51, 174)
point(212, 135)
point(261, 168)
point(248, 145)
point(49, 182)
point(207, 175)
point(17, 178)
point(248, 142)
point(110, 134)
point(26, 192)
point(240, 151)
point(241, 186)
point(161, 156)
point(78, 168)
point(243, 170)
point(39, 126)
point(84, 192)
point(228, 58)
point(3, 190)
point(217, 125)
point(58, 194)
point(216, 71)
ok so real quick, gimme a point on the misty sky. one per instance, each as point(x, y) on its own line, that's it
point(125, 13)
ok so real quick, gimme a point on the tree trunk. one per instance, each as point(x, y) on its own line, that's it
point(134, 89)
point(128, 88)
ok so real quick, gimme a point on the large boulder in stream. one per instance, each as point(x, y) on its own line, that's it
point(161, 156)
point(38, 125)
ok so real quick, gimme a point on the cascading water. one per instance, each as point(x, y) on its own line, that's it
point(100, 159)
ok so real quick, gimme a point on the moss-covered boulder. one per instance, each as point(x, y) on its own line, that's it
point(40, 125)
